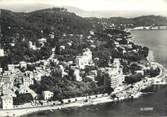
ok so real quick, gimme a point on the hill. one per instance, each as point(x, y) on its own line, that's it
point(137, 21)
point(47, 20)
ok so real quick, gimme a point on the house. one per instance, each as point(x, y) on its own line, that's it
point(47, 95)
point(91, 77)
point(32, 46)
point(38, 75)
point(140, 72)
point(7, 102)
point(92, 74)
point(23, 64)
point(2, 53)
point(92, 32)
point(62, 47)
point(27, 81)
point(42, 41)
point(85, 59)
point(11, 67)
point(69, 43)
point(52, 36)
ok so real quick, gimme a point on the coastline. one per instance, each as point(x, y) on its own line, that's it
point(98, 100)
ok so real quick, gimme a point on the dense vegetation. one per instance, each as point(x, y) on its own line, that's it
point(20, 28)
point(22, 98)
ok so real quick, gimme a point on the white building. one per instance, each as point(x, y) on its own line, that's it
point(7, 102)
point(47, 95)
point(27, 81)
point(115, 73)
point(140, 72)
point(77, 75)
point(23, 64)
point(85, 59)
point(32, 46)
point(11, 67)
point(1, 70)
point(62, 70)
point(62, 47)
point(52, 36)
point(2, 53)
point(139, 28)
point(42, 40)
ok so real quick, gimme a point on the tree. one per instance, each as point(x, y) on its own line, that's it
point(22, 99)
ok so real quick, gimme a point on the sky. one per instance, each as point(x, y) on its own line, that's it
point(154, 6)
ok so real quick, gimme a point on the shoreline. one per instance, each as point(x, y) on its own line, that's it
point(98, 100)
point(26, 111)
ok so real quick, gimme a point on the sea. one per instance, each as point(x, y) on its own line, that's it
point(152, 103)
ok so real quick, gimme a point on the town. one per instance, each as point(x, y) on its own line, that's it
point(99, 66)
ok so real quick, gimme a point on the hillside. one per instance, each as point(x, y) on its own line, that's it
point(137, 21)
point(55, 19)
point(19, 29)
point(21, 33)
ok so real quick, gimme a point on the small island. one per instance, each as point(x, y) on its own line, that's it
point(67, 61)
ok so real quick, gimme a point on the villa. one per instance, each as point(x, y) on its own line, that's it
point(85, 59)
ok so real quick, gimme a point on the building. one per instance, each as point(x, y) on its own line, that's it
point(1, 70)
point(140, 72)
point(47, 95)
point(7, 102)
point(115, 74)
point(77, 75)
point(52, 36)
point(62, 70)
point(42, 41)
point(2, 53)
point(32, 46)
point(162, 27)
point(85, 59)
point(92, 75)
point(29, 74)
point(8, 92)
point(23, 64)
point(27, 81)
point(139, 28)
point(62, 47)
point(11, 67)
point(24, 90)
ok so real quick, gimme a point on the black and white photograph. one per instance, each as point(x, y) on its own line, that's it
point(83, 58)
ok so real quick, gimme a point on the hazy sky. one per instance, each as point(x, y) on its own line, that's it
point(98, 5)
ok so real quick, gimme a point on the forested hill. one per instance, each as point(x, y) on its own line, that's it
point(60, 20)
point(137, 21)
point(48, 20)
